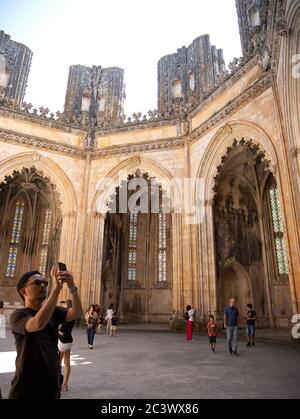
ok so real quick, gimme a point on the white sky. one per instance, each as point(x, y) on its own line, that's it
point(131, 34)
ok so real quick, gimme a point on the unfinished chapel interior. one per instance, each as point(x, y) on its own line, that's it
point(232, 131)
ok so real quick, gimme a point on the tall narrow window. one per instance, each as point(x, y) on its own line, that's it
point(282, 260)
point(132, 247)
point(176, 89)
point(162, 247)
point(45, 242)
point(15, 240)
point(254, 17)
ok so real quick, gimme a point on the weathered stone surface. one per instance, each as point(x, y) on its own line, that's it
point(15, 61)
point(186, 76)
point(230, 240)
point(96, 92)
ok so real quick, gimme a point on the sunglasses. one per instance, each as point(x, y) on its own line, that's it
point(39, 282)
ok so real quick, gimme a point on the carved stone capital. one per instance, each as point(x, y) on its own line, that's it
point(98, 215)
point(209, 202)
point(295, 152)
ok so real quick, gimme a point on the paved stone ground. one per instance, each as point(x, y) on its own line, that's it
point(156, 363)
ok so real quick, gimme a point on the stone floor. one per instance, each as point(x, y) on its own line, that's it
point(156, 363)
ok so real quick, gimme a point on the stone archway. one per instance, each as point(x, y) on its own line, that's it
point(105, 188)
point(136, 274)
point(49, 170)
point(210, 267)
point(248, 228)
point(235, 283)
point(30, 227)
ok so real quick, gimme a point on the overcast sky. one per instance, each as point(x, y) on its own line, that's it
point(131, 34)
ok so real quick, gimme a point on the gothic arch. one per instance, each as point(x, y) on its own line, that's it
point(222, 142)
point(107, 184)
point(241, 288)
point(67, 196)
point(224, 138)
point(49, 169)
point(96, 224)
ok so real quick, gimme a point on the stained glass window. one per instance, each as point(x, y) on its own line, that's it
point(132, 247)
point(45, 242)
point(15, 239)
point(162, 247)
point(282, 260)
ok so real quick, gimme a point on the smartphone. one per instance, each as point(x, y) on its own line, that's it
point(62, 267)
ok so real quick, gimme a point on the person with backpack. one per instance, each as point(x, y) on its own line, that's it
point(189, 317)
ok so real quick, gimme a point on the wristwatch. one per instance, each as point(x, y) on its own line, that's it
point(73, 290)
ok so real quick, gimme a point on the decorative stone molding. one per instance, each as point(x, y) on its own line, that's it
point(59, 120)
point(12, 110)
point(137, 126)
point(139, 148)
point(255, 90)
point(41, 143)
point(228, 82)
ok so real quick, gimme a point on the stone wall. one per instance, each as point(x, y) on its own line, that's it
point(15, 62)
point(188, 74)
point(252, 18)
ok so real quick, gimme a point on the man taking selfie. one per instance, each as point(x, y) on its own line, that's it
point(35, 329)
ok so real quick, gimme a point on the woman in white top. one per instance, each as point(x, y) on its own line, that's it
point(108, 317)
point(189, 316)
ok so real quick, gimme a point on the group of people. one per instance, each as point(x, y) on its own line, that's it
point(95, 322)
point(231, 324)
point(43, 331)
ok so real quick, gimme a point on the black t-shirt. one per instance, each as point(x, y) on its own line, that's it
point(37, 373)
point(251, 314)
point(66, 329)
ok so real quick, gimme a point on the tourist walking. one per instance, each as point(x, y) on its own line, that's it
point(108, 317)
point(114, 325)
point(212, 333)
point(250, 326)
point(189, 317)
point(231, 319)
point(91, 319)
point(65, 343)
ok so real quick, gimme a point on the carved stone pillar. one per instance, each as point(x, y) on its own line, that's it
point(207, 269)
point(67, 247)
point(177, 288)
point(93, 282)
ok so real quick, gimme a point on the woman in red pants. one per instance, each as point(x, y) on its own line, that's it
point(189, 316)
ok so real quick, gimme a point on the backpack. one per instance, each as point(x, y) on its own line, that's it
point(186, 316)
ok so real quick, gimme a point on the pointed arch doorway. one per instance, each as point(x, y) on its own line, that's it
point(30, 227)
point(235, 283)
point(250, 244)
point(136, 273)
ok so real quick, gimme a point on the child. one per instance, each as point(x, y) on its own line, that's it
point(100, 324)
point(212, 333)
point(113, 325)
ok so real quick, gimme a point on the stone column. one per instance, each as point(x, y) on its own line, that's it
point(67, 247)
point(207, 264)
point(94, 269)
point(177, 275)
